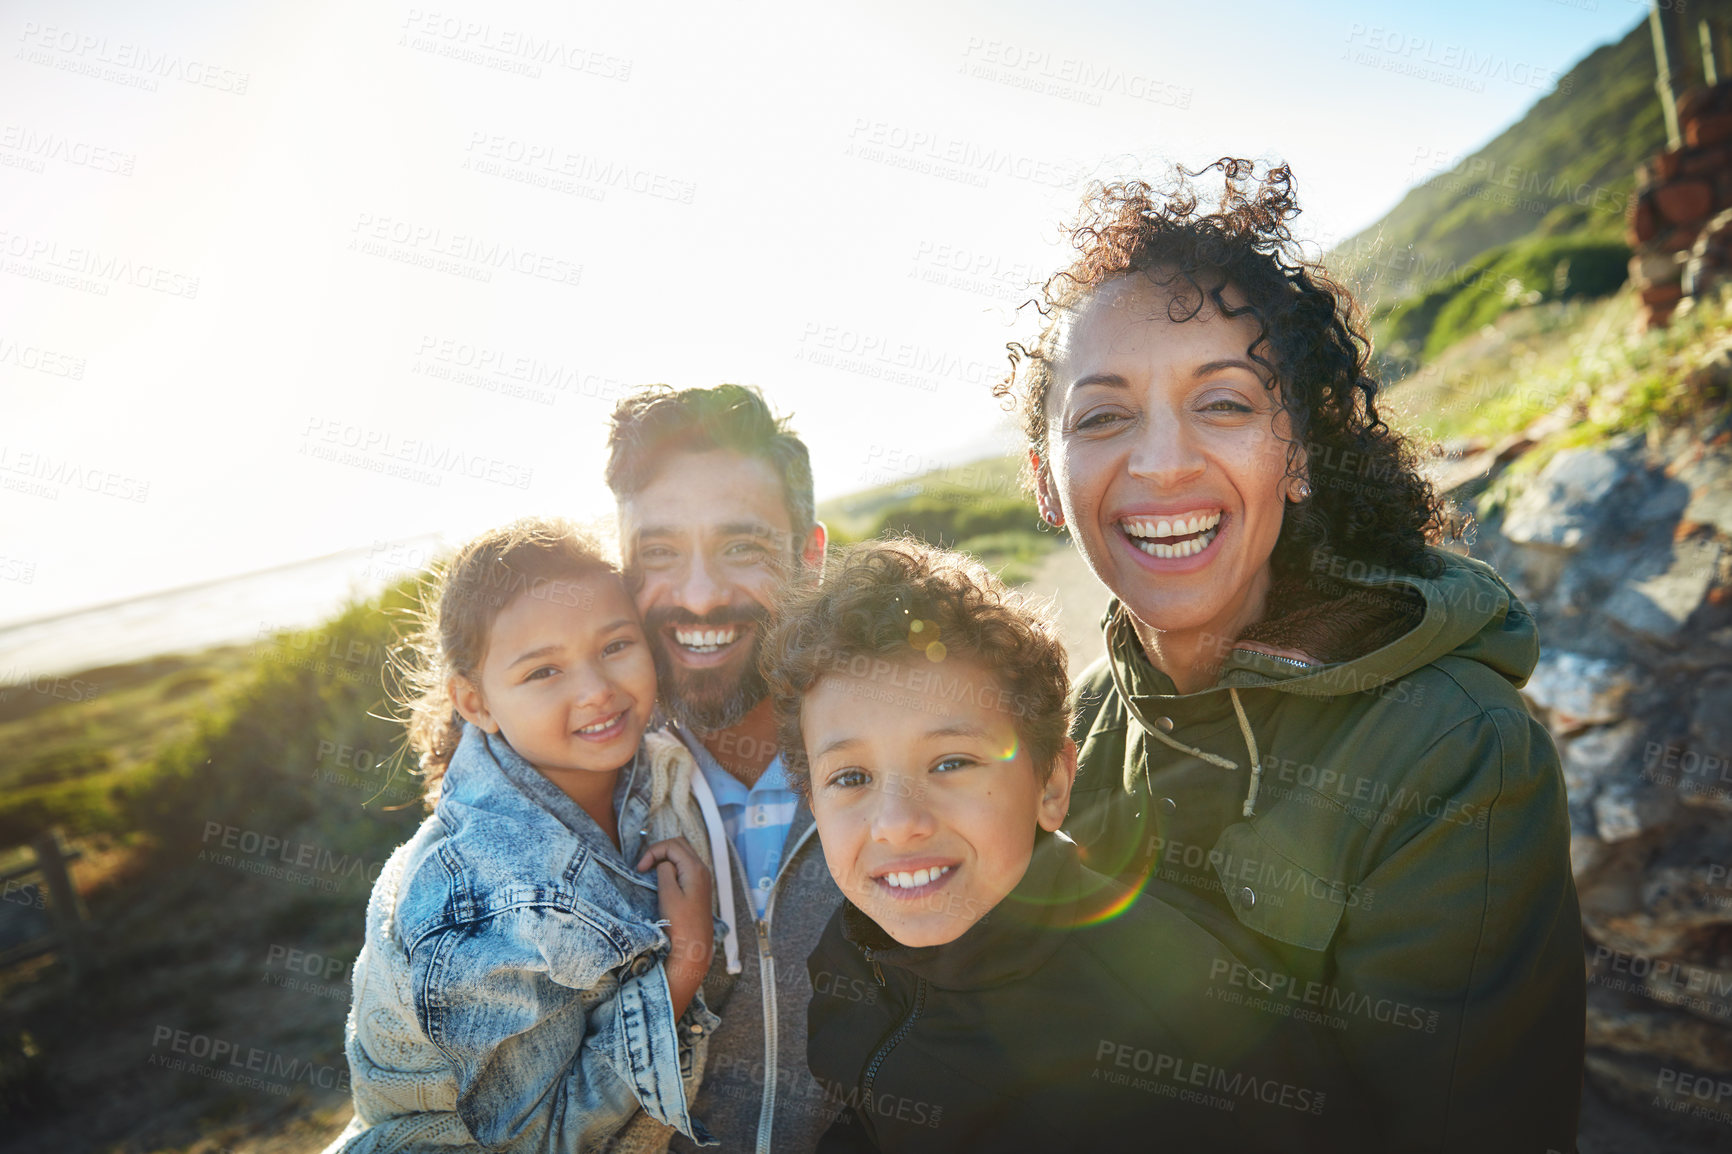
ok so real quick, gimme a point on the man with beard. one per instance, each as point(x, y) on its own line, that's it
point(716, 516)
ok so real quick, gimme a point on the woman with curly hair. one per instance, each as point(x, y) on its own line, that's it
point(1307, 712)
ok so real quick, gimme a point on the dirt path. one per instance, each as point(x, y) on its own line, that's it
point(1079, 599)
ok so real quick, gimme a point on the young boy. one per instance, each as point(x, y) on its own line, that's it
point(980, 988)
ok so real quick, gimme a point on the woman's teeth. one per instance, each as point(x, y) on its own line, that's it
point(706, 640)
point(1173, 536)
point(910, 881)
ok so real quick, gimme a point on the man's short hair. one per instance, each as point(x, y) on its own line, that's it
point(903, 598)
point(654, 423)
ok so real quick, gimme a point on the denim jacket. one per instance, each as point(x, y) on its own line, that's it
point(510, 994)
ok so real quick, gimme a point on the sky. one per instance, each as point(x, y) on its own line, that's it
point(282, 279)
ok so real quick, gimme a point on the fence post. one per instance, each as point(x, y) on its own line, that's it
point(65, 908)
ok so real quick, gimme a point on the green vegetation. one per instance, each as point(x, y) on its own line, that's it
point(1512, 276)
point(1566, 168)
point(979, 508)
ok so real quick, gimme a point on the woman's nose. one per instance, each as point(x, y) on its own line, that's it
point(1166, 451)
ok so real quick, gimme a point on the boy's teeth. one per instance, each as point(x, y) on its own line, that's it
point(908, 881)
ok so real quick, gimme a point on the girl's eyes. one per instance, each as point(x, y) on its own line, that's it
point(617, 645)
point(540, 673)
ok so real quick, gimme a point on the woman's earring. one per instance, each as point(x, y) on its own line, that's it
point(1299, 491)
point(1053, 519)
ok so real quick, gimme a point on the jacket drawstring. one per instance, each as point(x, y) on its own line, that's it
point(722, 868)
point(1213, 759)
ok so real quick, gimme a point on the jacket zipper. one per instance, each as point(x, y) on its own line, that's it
point(767, 988)
point(895, 1039)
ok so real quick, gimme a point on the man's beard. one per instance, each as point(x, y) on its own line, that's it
point(708, 700)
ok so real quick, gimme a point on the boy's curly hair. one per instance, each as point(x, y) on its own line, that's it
point(539, 556)
point(900, 598)
point(1368, 499)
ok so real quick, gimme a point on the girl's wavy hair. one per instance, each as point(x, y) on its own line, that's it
point(1368, 500)
point(536, 556)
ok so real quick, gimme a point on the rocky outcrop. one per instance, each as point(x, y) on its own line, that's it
point(1681, 247)
point(1623, 550)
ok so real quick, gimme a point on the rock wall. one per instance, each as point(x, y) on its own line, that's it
point(1679, 225)
point(1624, 553)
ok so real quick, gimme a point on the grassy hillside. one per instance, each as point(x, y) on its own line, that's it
point(1566, 168)
point(979, 508)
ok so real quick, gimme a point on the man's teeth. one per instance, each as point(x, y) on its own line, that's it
point(707, 640)
point(1155, 535)
point(909, 881)
point(604, 723)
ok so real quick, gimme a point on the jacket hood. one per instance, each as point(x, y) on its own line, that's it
point(1367, 626)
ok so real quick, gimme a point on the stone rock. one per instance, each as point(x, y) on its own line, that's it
point(1598, 754)
point(1634, 1026)
point(1577, 690)
point(1689, 899)
point(1684, 201)
point(1711, 721)
point(1658, 597)
point(1559, 508)
point(1629, 807)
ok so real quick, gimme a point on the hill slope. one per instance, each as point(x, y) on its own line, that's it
point(1565, 168)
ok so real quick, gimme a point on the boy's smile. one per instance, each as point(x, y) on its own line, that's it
point(926, 804)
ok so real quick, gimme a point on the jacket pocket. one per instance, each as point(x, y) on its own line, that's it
point(1273, 895)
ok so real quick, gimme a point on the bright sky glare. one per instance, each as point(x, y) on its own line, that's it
point(278, 279)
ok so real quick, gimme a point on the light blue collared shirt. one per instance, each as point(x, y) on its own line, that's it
point(756, 819)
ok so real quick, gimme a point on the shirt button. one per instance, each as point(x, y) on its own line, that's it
point(697, 1028)
point(1164, 724)
point(1247, 899)
point(1169, 805)
point(759, 817)
point(765, 883)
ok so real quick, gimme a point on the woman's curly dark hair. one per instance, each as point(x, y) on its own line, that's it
point(1368, 500)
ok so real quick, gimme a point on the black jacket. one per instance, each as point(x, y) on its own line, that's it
point(1074, 1016)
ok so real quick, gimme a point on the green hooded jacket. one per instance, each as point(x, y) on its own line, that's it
point(1406, 855)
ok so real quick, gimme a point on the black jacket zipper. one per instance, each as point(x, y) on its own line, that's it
point(895, 1038)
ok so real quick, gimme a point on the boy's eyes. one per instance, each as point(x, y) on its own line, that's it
point(848, 778)
point(854, 777)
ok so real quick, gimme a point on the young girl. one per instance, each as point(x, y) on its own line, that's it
point(523, 986)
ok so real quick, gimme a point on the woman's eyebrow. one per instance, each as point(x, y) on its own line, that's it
point(1111, 380)
point(1208, 367)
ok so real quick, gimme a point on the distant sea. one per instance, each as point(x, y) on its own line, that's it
point(221, 612)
